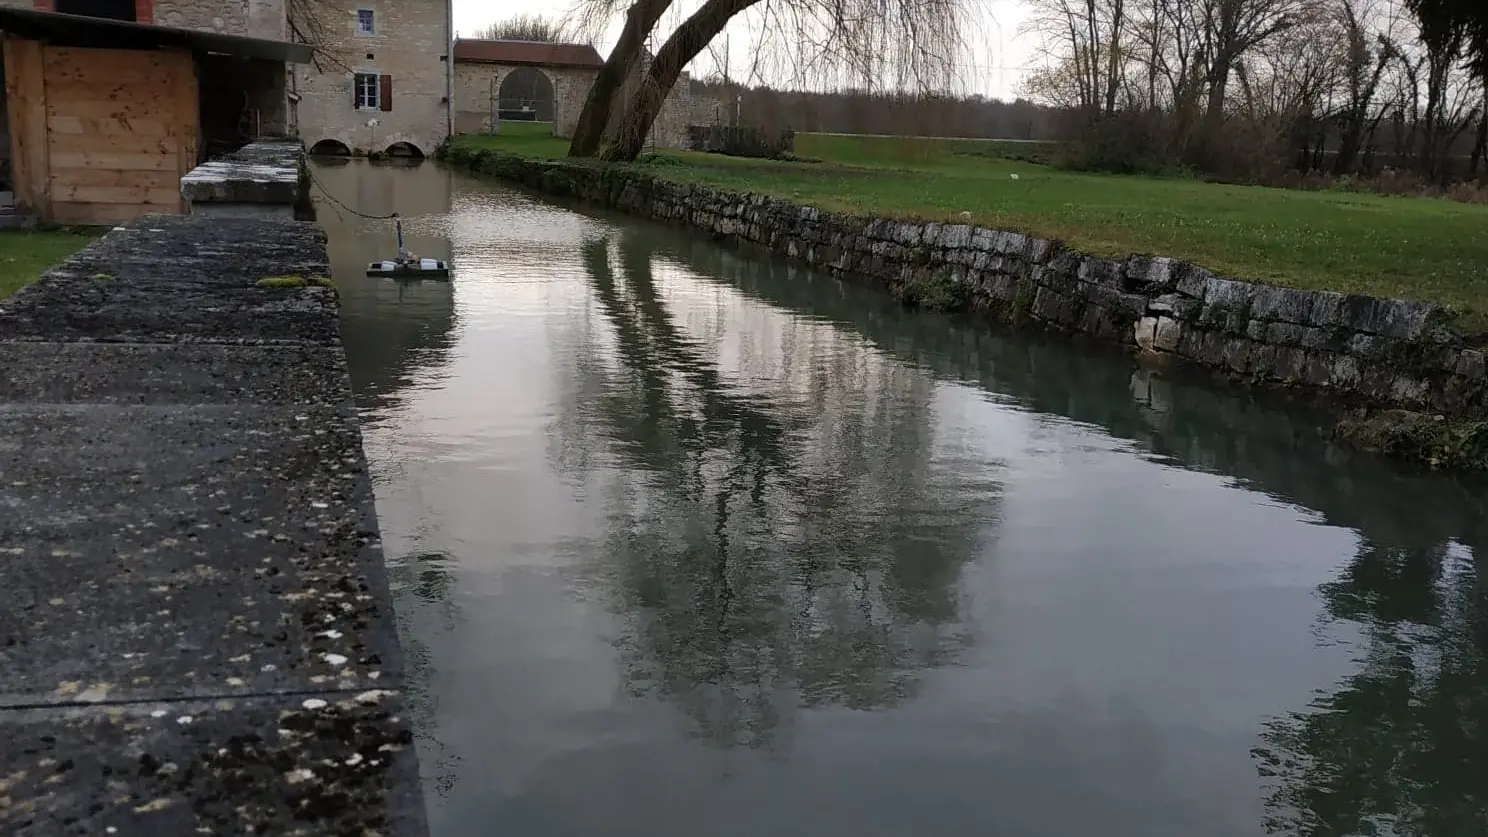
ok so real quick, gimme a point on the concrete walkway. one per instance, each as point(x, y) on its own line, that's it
point(196, 634)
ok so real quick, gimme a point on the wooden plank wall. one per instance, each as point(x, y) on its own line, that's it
point(120, 128)
point(26, 103)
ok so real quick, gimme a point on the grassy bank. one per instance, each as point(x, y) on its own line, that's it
point(1411, 248)
point(26, 254)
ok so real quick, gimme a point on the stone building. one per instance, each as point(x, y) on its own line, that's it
point(102, 115)
point(545, 82)
point(380, 81)
point(388, 77)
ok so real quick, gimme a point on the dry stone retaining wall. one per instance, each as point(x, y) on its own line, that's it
point(1393, 353)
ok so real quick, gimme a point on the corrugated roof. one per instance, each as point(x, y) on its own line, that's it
point(532, 53)
point(78, 30)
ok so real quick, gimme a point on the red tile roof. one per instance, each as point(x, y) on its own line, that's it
point(527, 52)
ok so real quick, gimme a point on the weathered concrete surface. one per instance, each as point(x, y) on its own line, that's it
point(195, 627)
point(264, 173)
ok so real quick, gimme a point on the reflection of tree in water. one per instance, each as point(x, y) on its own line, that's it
point(425, 581)
point(1401, 747)
point(766, 556)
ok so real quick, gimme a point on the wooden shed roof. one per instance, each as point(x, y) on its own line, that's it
point(531, 53)
point(82, 31)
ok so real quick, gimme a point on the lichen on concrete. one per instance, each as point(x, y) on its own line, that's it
point(195, 625)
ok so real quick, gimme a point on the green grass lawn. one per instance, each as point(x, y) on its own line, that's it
point(26, 254)
point(1413, 248)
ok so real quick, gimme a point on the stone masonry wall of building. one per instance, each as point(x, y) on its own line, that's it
point(410, 44)
point(253, 18)
point(1388, 353)
point(474, 83)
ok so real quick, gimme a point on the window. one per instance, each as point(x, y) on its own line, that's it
point(365, 88)
point(366, 22)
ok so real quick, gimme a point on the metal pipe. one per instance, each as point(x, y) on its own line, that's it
point(449, 68)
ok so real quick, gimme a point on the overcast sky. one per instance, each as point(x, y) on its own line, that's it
point(995, 65)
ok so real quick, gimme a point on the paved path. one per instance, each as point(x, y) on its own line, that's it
point(195, 628)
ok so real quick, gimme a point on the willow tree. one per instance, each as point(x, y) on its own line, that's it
point(640, 19)
point(887, 43)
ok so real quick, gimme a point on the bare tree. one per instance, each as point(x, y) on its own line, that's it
point(307, 21)
point(640, 18)
point(1087, 41)
point(1231, 29)
point(899, 43)
point(522, 28)
point(1367, 55)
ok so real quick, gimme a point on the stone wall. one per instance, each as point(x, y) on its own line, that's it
point(1391, 353)
point(253, 18)
point(475, 81)
point(410, 44)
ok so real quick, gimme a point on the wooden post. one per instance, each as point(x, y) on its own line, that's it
point(25, 95)
point(187, 122)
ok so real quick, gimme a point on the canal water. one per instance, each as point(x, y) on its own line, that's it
point(687, 541)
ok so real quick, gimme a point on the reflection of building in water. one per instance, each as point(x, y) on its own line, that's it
point(784, 532)
point(392, 328)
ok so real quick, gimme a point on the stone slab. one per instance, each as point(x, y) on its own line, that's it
point(186, 552)
point(160, 279)
point(67, 311)
point(161, 373)
point(189, 550)
point(268, 765)
point(259, 172)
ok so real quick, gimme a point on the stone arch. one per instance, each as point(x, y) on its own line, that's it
point(330, 148)
point(405, 150)
point(525, 94)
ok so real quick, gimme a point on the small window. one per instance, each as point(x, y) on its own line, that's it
point(365, 89)
point(366, 22)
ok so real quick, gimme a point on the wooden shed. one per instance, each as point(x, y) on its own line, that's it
point(101, 134)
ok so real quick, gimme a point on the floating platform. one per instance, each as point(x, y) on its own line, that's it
point(410, 269)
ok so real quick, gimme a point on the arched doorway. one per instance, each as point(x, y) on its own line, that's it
point(330, 148)
point(405, 150)
point(525, 95)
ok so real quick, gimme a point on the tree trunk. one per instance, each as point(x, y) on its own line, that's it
point(1480, 146)
point(1350, 142)
point(639, 21)
point(684, 45)
point(1214, 115)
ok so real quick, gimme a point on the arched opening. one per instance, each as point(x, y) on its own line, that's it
point(525, 95)
point(405, 150)
point(330, 148)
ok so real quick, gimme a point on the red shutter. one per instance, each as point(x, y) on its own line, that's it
point(386, 93)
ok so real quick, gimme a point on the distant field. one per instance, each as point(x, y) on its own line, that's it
point(876, 149)
point(1414, 248)
point(26, 254)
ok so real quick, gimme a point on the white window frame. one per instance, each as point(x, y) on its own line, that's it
point(371, 19)
point(375, 100)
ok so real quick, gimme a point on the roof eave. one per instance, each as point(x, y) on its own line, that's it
point(52, 26)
